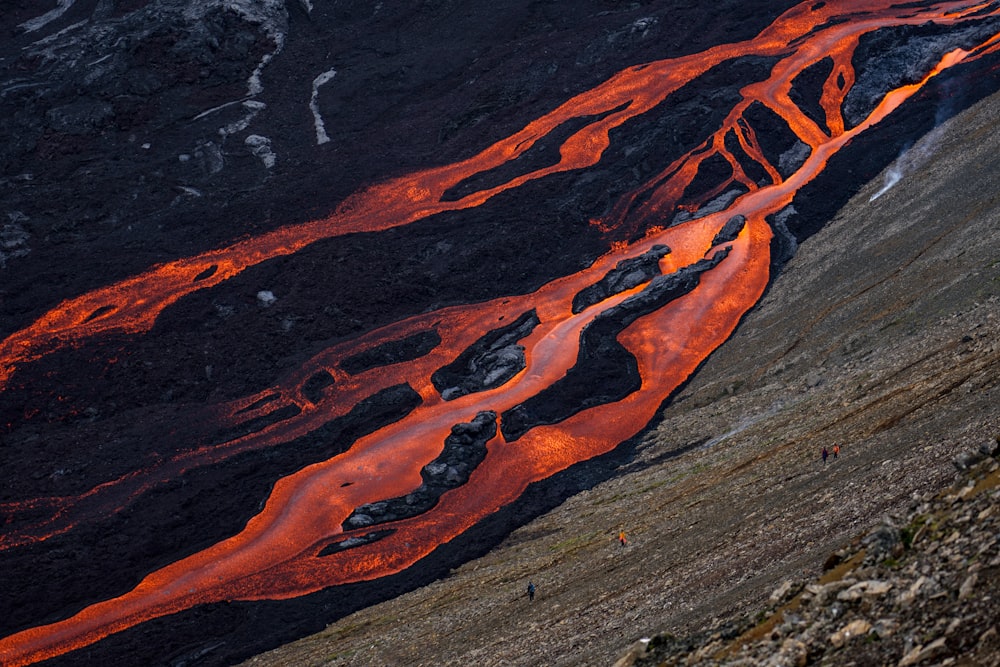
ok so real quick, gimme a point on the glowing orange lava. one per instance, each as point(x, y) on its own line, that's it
point(277, 555)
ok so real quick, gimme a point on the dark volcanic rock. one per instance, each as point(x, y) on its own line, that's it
point(627, 274)
point(392, 352)
point(187, 514)
point(487, 363)
point(463, 450)
point(889, 58)
point(730, 230)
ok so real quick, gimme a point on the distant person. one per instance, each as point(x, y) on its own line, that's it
point(824, 454)
point(621, 538)
point(836, 451)
point(531, 592)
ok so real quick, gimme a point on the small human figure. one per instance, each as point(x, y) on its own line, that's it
point(531, 592)
point(621, 538)
point(825, 454)
point(836, 451)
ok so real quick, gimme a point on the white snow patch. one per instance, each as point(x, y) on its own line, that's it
point(325, 77)
point(266, 297)
point(253, 108)
point(48, 17)
point(218, 108)
point(254, 86)
point(306, 5)
point(270, 15)
point(261, 147)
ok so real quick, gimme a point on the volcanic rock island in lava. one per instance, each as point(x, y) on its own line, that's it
point(304, 304)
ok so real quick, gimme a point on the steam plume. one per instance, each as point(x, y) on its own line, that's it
point(912, 157)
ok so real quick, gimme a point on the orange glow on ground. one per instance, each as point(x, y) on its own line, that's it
point(276, 555)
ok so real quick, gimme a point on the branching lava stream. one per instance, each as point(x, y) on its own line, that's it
point(714, 269)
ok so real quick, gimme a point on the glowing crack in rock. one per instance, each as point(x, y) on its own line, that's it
point(714, 268)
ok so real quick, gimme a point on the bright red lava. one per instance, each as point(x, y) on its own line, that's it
point(276, 555)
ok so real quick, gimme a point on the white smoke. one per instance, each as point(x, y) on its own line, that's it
point(911, 159)
point(891, 178)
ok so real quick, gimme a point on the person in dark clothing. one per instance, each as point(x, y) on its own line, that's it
point(825, 454)
point(531, 591)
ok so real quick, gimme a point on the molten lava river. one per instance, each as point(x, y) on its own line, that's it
point(661, 303)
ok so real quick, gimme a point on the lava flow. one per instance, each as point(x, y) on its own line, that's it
point(707, 271)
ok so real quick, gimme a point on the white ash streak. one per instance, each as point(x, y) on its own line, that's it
point(273, 18)
point(48, 17)
point(325, 77)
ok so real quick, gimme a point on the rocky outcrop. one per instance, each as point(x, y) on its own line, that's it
point(919, 589)
point(463, 450)
point(730, 230)
point(487, 363)
point(627, 274)
point(904, 54)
